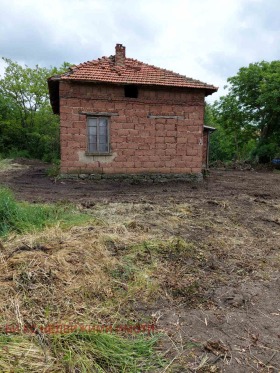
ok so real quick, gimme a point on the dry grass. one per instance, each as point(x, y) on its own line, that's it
point(10, 165)
point(132, 257)
point(73, 276)
point(21, 354)
point(96, 272)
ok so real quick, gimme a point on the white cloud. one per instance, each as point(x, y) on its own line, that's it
point(206, 39)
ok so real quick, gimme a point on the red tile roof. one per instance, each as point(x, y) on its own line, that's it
point(121, 70)
point(131, 72)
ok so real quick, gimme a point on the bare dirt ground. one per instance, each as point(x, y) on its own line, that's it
point(230, 320)
point(32, 184)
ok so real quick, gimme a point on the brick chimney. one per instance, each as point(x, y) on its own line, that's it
point(120, 55)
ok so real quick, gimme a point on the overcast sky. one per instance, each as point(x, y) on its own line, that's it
point(207, 40)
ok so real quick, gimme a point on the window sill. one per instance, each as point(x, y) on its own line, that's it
point(103, 154)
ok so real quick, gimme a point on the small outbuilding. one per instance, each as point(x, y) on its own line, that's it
point(120, 116)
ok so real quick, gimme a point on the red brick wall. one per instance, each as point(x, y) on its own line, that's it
point(139, 144)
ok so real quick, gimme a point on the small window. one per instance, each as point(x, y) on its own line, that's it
point(98, 135)
point(131, 91)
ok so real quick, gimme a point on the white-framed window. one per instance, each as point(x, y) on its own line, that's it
point(98, 135)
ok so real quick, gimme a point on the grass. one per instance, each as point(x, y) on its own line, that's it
point(101, 352)
point(8, 164)
point(79, 352)
point(19, 354)
point(144, 267)
point(5, 164)
point(70, 275)
point(21, 217)
point(134, 262)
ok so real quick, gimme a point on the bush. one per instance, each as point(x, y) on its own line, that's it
point(40, 142)
point(265, 152)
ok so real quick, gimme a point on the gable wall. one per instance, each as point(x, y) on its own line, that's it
point(138, 144)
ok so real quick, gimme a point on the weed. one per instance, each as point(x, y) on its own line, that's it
point(54, 170)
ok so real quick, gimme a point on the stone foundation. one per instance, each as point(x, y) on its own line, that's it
point(156, 178)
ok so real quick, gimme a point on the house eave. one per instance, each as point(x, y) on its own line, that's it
point(210, 89)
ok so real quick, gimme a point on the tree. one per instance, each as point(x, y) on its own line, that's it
point(251, 109)
point(26, 119)
point(27, 88)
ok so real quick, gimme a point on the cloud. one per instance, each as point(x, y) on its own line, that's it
point(207, 39)
point(259, 35)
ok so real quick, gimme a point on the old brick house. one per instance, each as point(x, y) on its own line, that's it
point(122, 116)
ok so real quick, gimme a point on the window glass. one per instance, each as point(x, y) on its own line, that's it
point(92, 121)
point(103, 122)
point(103, 148)
point(92, 147)
point(98, 141)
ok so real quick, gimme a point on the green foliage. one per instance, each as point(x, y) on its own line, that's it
point(21, 217)
point(248, 117)
point(26, 119)
point(26, 90)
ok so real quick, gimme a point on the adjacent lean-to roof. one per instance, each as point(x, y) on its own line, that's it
point(119, 69)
